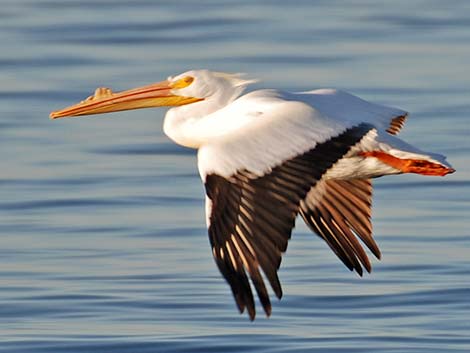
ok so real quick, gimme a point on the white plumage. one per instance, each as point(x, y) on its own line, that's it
point(267, 156)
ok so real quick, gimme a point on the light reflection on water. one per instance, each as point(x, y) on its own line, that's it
point(103, 242)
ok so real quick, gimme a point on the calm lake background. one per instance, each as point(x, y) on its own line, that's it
point(103, 246)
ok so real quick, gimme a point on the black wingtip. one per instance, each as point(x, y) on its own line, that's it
point(251, 314)
point(268, 310)
point(367, 265)
point(374, 248)
point(240, 310)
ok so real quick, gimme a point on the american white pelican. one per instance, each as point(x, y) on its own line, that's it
point(267, 156)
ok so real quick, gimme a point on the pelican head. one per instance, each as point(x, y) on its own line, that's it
point(206, 89)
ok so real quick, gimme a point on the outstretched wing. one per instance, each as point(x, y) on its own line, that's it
point(251, 215)
point(339, 211)
point(344, 106)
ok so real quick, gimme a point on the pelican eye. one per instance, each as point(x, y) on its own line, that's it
point(183, 82)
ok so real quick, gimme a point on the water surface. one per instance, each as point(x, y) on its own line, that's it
point(103, 246)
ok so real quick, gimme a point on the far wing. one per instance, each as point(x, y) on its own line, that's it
point(343, 106)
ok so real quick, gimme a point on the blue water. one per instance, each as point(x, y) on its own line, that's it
point(103, 246)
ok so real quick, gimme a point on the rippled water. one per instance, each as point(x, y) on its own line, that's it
point(103, 246)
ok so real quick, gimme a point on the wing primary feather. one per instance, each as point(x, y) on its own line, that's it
point(269, 263)
point(250, 217)
point(344, 243)
point(354, 217)
point(251, 264)
point(356, 209)
point(270, 250)
point(357, 250)
point(348, 203)
point(310, 220)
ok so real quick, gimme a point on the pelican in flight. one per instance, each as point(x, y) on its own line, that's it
point(267, 156)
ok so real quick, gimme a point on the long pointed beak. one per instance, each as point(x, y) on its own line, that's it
point(105, 101)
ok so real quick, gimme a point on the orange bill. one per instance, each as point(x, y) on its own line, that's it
point(105, 101)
